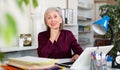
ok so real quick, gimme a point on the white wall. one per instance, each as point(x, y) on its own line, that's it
point(20, 17)
point(43, 5)
point(38, 18)
point(31, 20)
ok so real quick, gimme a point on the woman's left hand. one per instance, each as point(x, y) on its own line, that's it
point(75, 57)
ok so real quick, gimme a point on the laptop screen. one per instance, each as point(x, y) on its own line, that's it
point(83, 61)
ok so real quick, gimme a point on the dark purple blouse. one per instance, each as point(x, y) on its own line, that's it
point(60, 49)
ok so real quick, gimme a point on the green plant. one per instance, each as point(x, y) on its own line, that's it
point(9, 30)
point(27, 2)
point(113, 11)
point(2, 55)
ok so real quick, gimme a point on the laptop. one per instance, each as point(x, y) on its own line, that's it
point(83, 61)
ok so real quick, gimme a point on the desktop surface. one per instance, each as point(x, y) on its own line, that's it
point(68, 60)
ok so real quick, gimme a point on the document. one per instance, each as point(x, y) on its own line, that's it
point(30, 62)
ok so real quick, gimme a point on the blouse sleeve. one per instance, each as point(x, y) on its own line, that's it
point(74, 45)
point(44, 46)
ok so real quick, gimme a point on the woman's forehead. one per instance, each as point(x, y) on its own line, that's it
point(52, 12)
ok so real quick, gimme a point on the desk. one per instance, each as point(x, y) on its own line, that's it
point(109, 66)
point(67, 60)
point(63, 61)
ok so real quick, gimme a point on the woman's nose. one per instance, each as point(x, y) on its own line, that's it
point(52, 19)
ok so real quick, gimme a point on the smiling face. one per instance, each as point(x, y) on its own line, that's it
point(53, 19)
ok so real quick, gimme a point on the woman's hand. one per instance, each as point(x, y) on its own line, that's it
point(75, 57)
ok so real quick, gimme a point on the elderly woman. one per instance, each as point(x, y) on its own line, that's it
point(56, 42)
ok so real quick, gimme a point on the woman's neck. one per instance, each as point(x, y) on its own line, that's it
point(54, 30)
point(54, 34)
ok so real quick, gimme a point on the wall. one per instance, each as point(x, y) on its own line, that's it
point(20, 18)
point(98, 3)
point(38, 18)
point(31, 20)
point(43, 5)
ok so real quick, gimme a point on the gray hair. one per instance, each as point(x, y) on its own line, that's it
point(57, 9)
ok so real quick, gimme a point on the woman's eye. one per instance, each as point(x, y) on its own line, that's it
point(49, 18)
point(55, 16)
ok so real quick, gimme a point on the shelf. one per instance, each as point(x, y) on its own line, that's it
point(84, 31)
point(101, 1)
point(85, 18)
point(82, 28)
point(84, 41)
point(82, 18)
point(69, 24)
point(86, 6)
point(13, 49)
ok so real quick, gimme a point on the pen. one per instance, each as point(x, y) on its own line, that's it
point(101, 55)
point(93, 54)
point(55, 68)
point(62, 65)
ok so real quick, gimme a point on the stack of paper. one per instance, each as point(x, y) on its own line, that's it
point(30, 62)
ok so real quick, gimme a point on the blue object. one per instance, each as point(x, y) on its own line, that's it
point(109, 58)
point(101, 26)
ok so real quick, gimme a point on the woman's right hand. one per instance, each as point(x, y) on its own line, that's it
point(75, 57)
